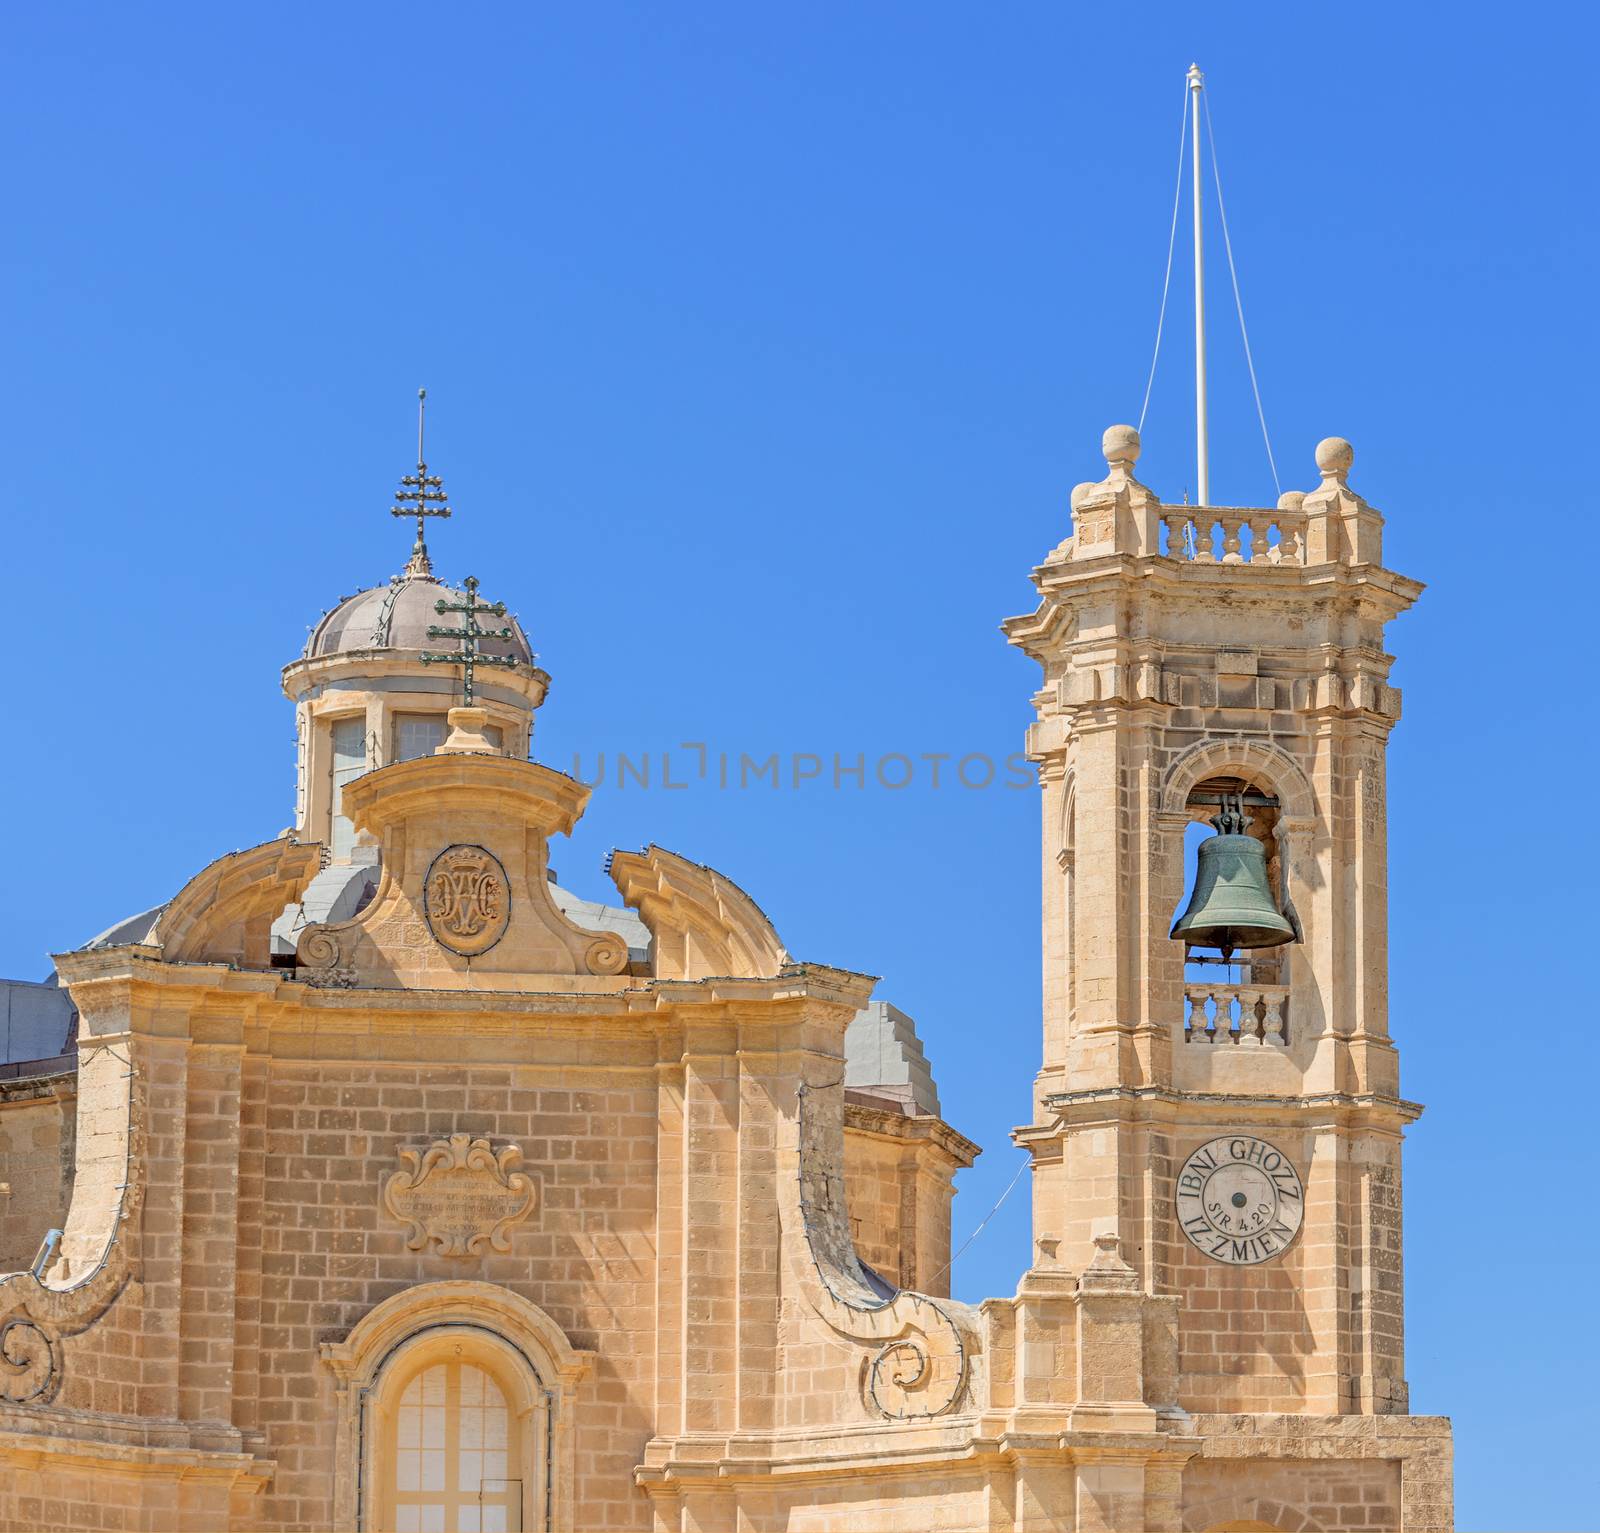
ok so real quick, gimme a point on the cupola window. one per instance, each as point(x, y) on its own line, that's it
point(349, 762)
point(418, 734)
point(421, 734)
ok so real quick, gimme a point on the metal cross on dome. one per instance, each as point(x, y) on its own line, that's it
point(422, 496)
point(469, 656)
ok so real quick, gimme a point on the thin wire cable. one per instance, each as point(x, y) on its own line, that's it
point(1027, 1161)
point(1172, 240)
point(1238, 302)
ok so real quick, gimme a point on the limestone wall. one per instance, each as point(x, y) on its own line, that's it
point(1335, 1493)
point(1347, 1473)
point(898, 1171)
point(884, 1235)
point(318, 1252)
point(37, 1137)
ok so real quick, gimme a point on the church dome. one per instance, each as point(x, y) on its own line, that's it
point(398, 616)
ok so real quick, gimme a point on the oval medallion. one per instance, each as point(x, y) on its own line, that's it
point(466, 898)
point(1240, 1200)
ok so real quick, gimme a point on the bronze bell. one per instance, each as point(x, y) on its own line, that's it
point(1232, 904)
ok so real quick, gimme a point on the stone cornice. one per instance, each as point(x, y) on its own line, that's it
point(1178, 577)
point(58, 1086)
point(919, 1128)
point(216, 999)
point(308, 677)
point(1288, 1435)
point(1089, 1105)
point(429, 785)
point(1063, 584)
point(238, 1471)
point(842, 1454)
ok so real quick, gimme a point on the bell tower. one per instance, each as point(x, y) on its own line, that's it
point(1234, 1119)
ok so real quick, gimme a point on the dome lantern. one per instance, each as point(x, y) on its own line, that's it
point(375, 684)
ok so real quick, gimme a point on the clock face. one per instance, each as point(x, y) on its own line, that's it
point(1240, 1200)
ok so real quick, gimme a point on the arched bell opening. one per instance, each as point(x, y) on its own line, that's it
point(1235, 919)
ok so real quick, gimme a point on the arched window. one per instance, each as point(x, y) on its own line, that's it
point(457, 1402)
point(457, 1456)
point(1238, 994)
point(1261, 815)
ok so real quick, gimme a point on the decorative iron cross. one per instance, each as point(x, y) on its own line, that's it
point(422, 496)
point(469, 633)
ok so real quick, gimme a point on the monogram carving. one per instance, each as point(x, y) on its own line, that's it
point(460, 1196)
point(467, 899)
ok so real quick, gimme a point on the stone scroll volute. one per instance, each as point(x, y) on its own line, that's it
point(460, 1196)
point(918, 1365)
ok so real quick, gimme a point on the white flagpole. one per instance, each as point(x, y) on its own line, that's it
point(1203, 458)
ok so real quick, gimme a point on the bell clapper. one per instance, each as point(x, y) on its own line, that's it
point(1231, 820)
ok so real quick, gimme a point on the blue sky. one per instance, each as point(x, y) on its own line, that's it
point(763, 348)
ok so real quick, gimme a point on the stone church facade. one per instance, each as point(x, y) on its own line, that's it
point(374, 1181)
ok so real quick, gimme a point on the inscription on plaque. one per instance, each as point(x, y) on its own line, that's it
point(460, 1196)
point(1240, 1200)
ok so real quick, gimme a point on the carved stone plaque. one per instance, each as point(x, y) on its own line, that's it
point(467, 899)
point(459, 1195)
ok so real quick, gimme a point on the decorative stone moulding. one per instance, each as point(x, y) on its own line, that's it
point(466, 898)
point(702, 924)
point(918, 1366)
point(460, 1196)
point(321, 951)
point(30, 1362)
point(606, 955)
point(72, 1284)
point(544, 1379)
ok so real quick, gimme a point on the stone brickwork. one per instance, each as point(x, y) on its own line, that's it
point(898, 1171)
point(1358, 1470)
point(38, 1136)
point(1336, 1493)
point(331, 1137)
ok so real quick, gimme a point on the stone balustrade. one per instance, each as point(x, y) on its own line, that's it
point(1328, 525)
point(1227, 1013)
point(1236, 535)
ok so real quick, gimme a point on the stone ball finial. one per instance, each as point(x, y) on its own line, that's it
point(1120, 444)
point(1291, 500)
point(1334, 456)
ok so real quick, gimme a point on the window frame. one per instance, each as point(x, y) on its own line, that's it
point(403, 716)
point(542, 1363)
point(529, 1405)
point(340, 844)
